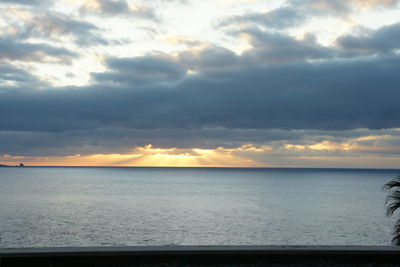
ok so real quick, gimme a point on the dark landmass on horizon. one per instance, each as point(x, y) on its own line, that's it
point(20, 165)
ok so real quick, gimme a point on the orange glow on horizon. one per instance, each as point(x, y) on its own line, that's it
point(320, 154)
point(148, 156)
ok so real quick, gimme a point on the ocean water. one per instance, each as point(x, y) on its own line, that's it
point(53, 207)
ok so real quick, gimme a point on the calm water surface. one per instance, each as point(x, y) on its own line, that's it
point(191, 206)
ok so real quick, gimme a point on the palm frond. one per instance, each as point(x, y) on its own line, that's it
point(395, 183)
point(396, 233)
point(393, 196)
point(392, 204)
point(393, 199)
point(392, 207)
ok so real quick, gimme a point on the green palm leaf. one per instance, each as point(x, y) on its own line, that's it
point(393, 204)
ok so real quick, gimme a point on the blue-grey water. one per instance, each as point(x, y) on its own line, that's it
point(52, 207)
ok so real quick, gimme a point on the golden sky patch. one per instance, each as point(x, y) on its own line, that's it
point(149, 156)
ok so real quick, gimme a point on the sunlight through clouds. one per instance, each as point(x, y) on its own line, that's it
point(149, 156)
point(244, 83)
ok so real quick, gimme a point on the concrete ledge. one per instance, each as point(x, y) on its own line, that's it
point(200, 250)
point(203, 255)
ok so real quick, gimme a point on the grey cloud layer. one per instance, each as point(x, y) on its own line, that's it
point(154, 92)
point(264, 95)
point(52, 25)
point(120, 7)
point(26, 2)
point(117, 140)
point(272, 48)
point(384, 143)
point(209, 59)
point(55, 27)
point(383, 40)
point(276, 48)
point(297, 12)
point(279, 18)
point(23, 51)
point(9, 72)
point(338, 95)
point(113, 7)
point(141, 70)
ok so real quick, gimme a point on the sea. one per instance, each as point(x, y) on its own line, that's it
point(65, 206)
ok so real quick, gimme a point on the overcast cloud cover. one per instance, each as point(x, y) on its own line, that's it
point(302, 83)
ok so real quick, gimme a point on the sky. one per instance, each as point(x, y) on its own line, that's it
point(212, 83)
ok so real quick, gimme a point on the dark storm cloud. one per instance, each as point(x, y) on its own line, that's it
point(383, 40)
point(267, 94)
point(338, 95)
point(141, 70)
point(23, 51)
point(118, 140)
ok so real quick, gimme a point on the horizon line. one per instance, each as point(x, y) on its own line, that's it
point(198, 167)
